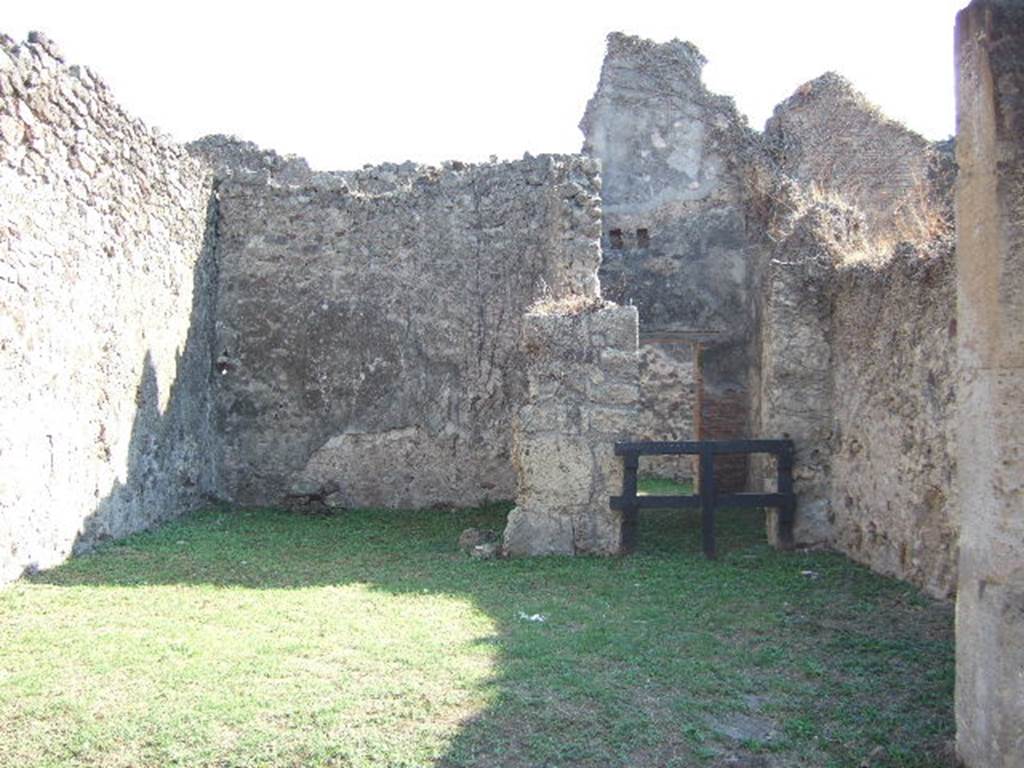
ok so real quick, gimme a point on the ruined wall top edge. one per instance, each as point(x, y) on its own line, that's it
point(834, 87)
point(23, 65)
point(240, 161)
point(641, 70)
point(827, 142)
point(674, 69)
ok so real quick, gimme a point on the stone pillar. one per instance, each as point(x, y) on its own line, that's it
point(582, 367)
point(990, 309)
point(796, 376)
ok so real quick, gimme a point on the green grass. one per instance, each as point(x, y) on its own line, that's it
point(263, 638)
point(662, 486)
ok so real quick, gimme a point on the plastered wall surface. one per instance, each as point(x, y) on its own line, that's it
point(105, 299)
point(990, 351)
point(676, 244)
point(369, 339)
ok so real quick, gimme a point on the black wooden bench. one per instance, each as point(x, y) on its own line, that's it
point(707, 498)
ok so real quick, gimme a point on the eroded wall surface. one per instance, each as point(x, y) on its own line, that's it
point(828, 137)
point(368, 325)
point(669, 393)
point(858, 331)
point(894, 465)
point(583, 394)
point(105, 300)
point(796, 387)
point(361, 328)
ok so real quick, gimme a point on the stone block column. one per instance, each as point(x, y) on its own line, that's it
point(990, 310)
point(583, 373)
point(796, 380)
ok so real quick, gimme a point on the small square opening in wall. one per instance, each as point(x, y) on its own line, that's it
point(643, 238)
point(615, 238)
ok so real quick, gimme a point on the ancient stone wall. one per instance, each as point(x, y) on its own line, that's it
point(105, 297)
point(583, 394)
point(669, 391)
point(894, 496)
point(830, 139)
point(353, 338)
point(368, 325)
point(858, 332)
point(676, 245)
point(795, 375)
point(232, 158)
point(990, 316)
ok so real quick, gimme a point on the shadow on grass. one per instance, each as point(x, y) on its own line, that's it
point(662, 658)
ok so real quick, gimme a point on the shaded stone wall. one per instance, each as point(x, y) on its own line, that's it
point(674, 161)
point(106, 285)
point(795, 376)
point(990, 316)
point(859, 369)
point(368, 325)
point(583, 395)
point(894, 496)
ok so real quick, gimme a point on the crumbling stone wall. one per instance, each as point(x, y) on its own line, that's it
point(105, 298)
point(368, 325)
point(795, 379)
point(362, 328)
point(746, 245)
point(858, 332)
point(831, 140)
point(232, 158)
point(675, 161)
point(583, 394)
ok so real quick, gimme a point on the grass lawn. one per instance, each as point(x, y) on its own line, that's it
point(263, 638)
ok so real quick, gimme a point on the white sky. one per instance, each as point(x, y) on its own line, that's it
point(348, 83)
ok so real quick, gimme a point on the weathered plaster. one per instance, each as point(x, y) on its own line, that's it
point(990, 312)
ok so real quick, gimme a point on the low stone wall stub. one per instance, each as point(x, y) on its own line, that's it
point(583, 395)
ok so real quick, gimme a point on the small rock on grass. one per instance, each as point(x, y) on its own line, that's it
point(471, 538)
point(486, 551)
